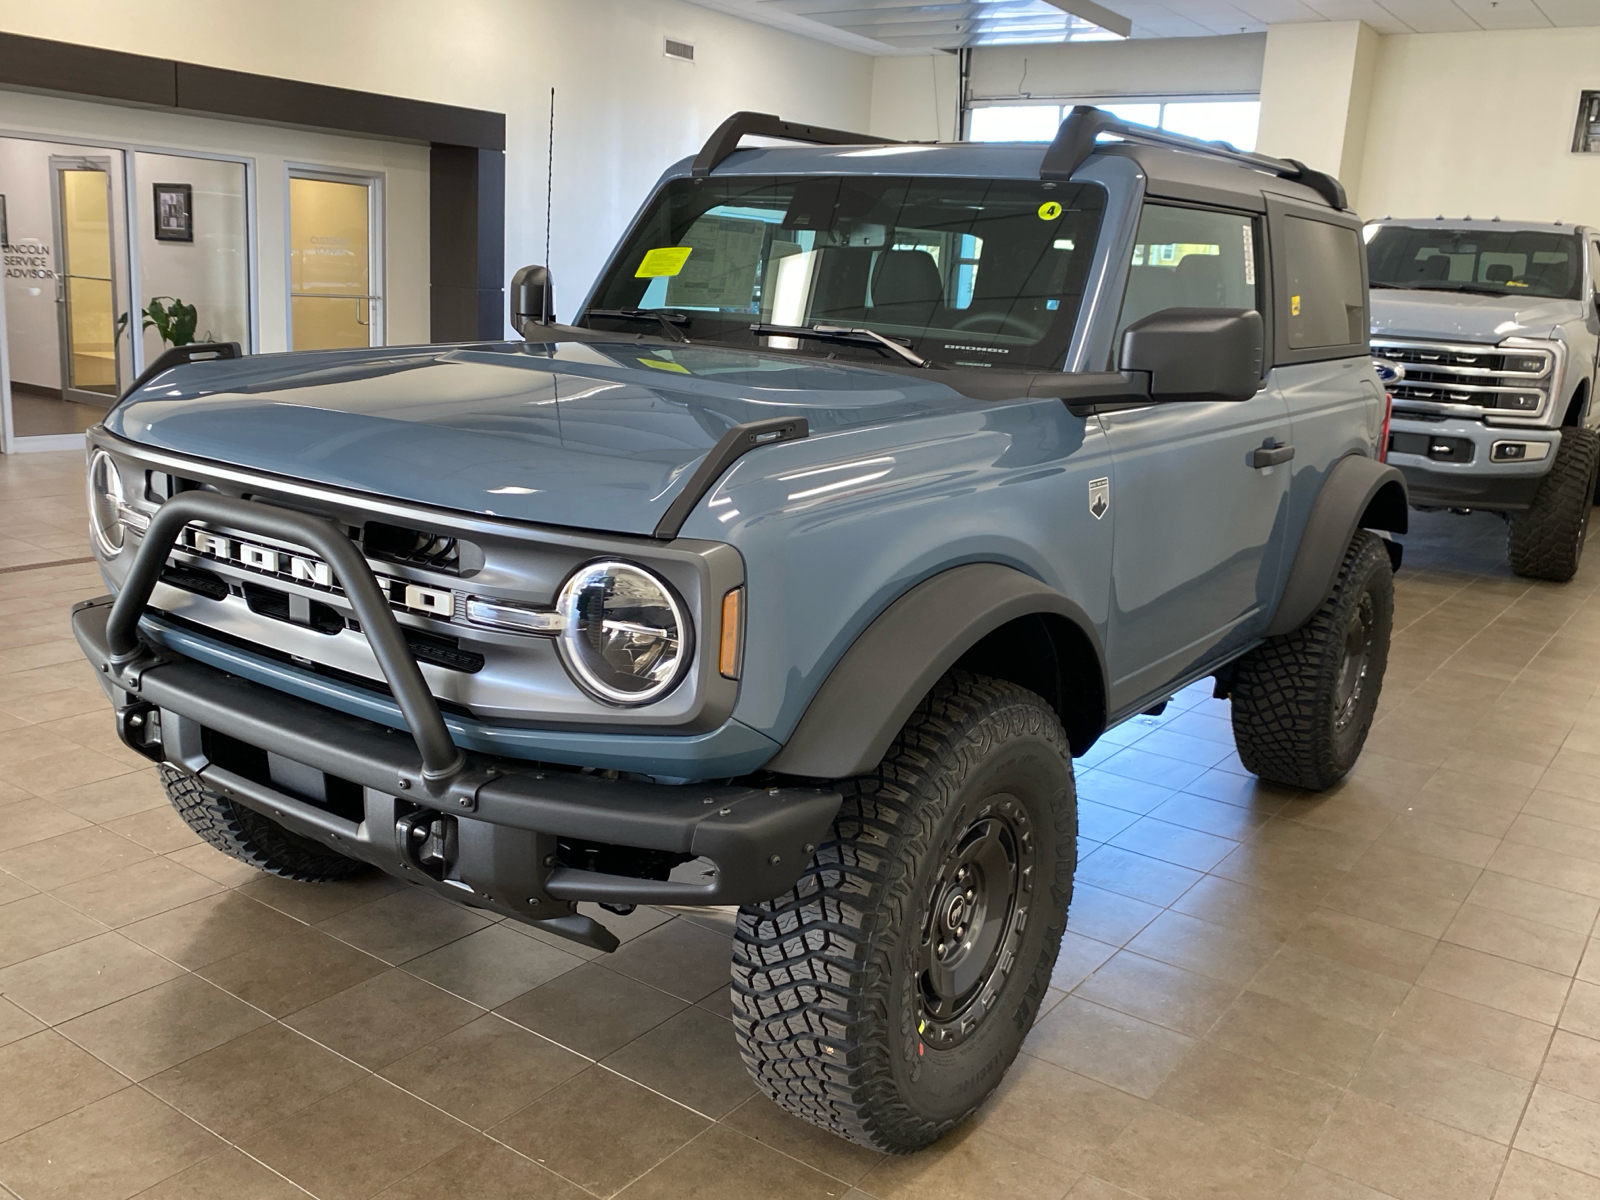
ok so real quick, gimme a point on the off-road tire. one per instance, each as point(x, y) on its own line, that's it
point(1290, 724)
point(252, 838)
point(826, 983)
point(1546, 540)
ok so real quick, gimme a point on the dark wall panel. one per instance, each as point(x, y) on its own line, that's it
point(46, 66)
point(467, 240)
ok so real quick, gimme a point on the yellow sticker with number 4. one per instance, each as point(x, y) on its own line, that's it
point(663, 260)
point(1049, 210)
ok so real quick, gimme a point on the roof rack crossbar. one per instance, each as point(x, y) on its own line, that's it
point(1075, 141)
point(725, 140)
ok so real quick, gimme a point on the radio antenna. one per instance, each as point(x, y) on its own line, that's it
point(549, 176)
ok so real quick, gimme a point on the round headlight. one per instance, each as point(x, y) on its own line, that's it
point(105, 505)
point(627, 640)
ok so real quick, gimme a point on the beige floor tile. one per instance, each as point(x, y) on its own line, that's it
point(1423, 836)
point(1391, 902)
point(1106, 1045)
point(1167, 1154)
point(759, 1118)
point(1487, 1036)
point(1573, 1065)
point(1524, 941)
point(1589, 968)
point(1498, 982)
point(679, 957)
point(1581, 1013)
point(1136, 875)
point(1340, 814)
point(1444, 1088)
point(722, 1164)
point(290, 972)
point(226, 1176)
point(691, 1058)
point(599, 1130)
point(1247, 909)
point(1331, 988)
point(203, 931)
point(1358, 942)
point(112, 1148)
point(309, 902)
point(403, 925)
point(163, 1026)
point(1388, 863)
point(966, 1162)
point(1528, 1177)
point(45, 1076)
point(38, 924)
point(1404, 1155)
point(1314, 1183)
point(1562, 1128)
point(214, 864)
point(379, 1019)
point(1158, 992)
point(1543, 866)
point(15, 1024)
point(592, 1010)
point(1214, 816)
point(1248, 1097)
point(1215, 951)
point(36, 820)
point(79, 978)
point(356, 1141)
point(480, 1169)
point(1076, 959)
point(1535, 902)
point(484, 1071)
point(1052, 1111)
point(493, 965)
point(12, 888)
point(1285, 1034)
point(1107, 916)
point(159, 829)
point(253, 1081)
point(58, 861)
point(142, 889)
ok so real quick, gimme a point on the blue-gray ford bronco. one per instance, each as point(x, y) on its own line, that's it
point(1491, 330)
point(870, 484)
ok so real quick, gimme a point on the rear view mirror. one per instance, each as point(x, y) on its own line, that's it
point(1197, 353)
point(533, 298)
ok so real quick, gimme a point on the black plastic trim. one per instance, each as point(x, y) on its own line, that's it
point(730, 447)
point(725, 139)
point(179, 356)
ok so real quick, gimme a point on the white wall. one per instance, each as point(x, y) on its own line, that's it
point(1316, 85)
point(914, 99)
point(624, 112)
point(1139, 67)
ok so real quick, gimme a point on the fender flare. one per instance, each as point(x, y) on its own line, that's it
point(874, 687)
point(1359, 493)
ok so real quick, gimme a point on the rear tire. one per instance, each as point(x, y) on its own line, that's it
point(1303, 702)
point(885, 996)
point(252, 838)
point(1546, 541)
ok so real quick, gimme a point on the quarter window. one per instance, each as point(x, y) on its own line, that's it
point(1324, 302)
point(1190, 258)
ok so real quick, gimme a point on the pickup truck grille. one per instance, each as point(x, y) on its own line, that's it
point(1483, 377)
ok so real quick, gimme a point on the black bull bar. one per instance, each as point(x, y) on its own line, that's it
point(491, 824)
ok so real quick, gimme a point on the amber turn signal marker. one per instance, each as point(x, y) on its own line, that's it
point(732, 633)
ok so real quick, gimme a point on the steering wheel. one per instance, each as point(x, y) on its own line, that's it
point(1000, 322)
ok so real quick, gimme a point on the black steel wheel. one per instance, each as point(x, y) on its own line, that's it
point(885, 996)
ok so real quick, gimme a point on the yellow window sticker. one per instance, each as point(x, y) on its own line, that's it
point(662, 364)
point(1294, 306)
point(1049, 210)
point(663, 260)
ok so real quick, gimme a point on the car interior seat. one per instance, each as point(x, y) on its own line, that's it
point(907, 288)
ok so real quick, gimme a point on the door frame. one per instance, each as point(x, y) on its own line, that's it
point(59, 165)
point(377, 297)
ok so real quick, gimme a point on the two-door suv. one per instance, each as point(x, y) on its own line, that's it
point(1493, 328)
point(871, 483)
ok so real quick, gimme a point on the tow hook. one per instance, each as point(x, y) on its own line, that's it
point(429, 841)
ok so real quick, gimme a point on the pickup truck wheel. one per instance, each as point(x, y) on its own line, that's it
point(252, 838)
point(1546, 541)
point(885, 996)
point(1303, 701)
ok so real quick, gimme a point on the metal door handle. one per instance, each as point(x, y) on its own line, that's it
point(1269, 455)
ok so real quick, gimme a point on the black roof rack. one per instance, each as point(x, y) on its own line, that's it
point(725, 140)
point(1075, 141)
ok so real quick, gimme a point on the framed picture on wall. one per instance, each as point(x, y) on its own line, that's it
point(174, 212)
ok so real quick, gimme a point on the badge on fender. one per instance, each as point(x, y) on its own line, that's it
point(1099, 497)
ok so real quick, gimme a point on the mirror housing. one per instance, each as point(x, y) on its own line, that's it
point(1196, 354)
point(533, 298)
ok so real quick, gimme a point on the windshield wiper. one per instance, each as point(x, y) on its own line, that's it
point(842, 333)
point(669, 320)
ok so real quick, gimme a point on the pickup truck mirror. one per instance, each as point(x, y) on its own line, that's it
point(533, 298)
point(1197, 353)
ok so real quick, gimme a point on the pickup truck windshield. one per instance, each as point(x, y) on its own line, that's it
point(962, 272)
point(1508, 263)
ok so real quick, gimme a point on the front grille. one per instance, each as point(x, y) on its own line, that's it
point(1483, 377)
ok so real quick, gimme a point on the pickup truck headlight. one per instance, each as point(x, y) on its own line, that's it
point(106, 505)
point(627, 639)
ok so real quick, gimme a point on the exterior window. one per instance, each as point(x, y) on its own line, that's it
point(1190, 258)
point(1324, 303)
point(1232, 120)
point(1594, 267)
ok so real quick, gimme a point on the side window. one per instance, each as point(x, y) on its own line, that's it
point(1594, 267)
point(1324, 303)
point(1190, 258)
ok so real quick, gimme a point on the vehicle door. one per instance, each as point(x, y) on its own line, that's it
point(1198, 530)
point(1322, 359)
point(1589, 355)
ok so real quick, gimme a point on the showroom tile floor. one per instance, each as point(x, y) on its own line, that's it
point(1392, 989)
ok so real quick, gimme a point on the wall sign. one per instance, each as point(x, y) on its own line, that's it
point(174, 212)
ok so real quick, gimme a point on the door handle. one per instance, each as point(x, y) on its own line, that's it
point(1270, 454)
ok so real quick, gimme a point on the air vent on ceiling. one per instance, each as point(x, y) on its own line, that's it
point(682, 51)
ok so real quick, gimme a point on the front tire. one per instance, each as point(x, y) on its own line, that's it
point(885, 996)
point(1546, 541)
point(1304, 701)
point(252, 838)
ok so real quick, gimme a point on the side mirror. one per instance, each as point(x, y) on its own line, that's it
point(533, 298)
point(1197, 353)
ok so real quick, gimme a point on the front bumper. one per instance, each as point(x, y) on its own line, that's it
point(516, 837)
point(1472, 476)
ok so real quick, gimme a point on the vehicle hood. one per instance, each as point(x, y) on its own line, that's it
point(594, 436)
point(1465, 317)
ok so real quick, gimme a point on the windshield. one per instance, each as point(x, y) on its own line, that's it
point(1509, 263)
point(962, 272)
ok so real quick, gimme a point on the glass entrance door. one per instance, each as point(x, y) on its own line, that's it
point(334, 298)
point(86, 284)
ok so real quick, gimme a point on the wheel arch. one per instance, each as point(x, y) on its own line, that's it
point(983, 617)
point(1578, 407)
point(1359, 493)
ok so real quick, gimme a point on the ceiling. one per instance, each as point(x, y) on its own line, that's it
point(912, 27)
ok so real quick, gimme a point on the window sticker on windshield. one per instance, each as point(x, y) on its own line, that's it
point(1249, 256)
point(663, 260)
point(662, 364)
point(1049, 210)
